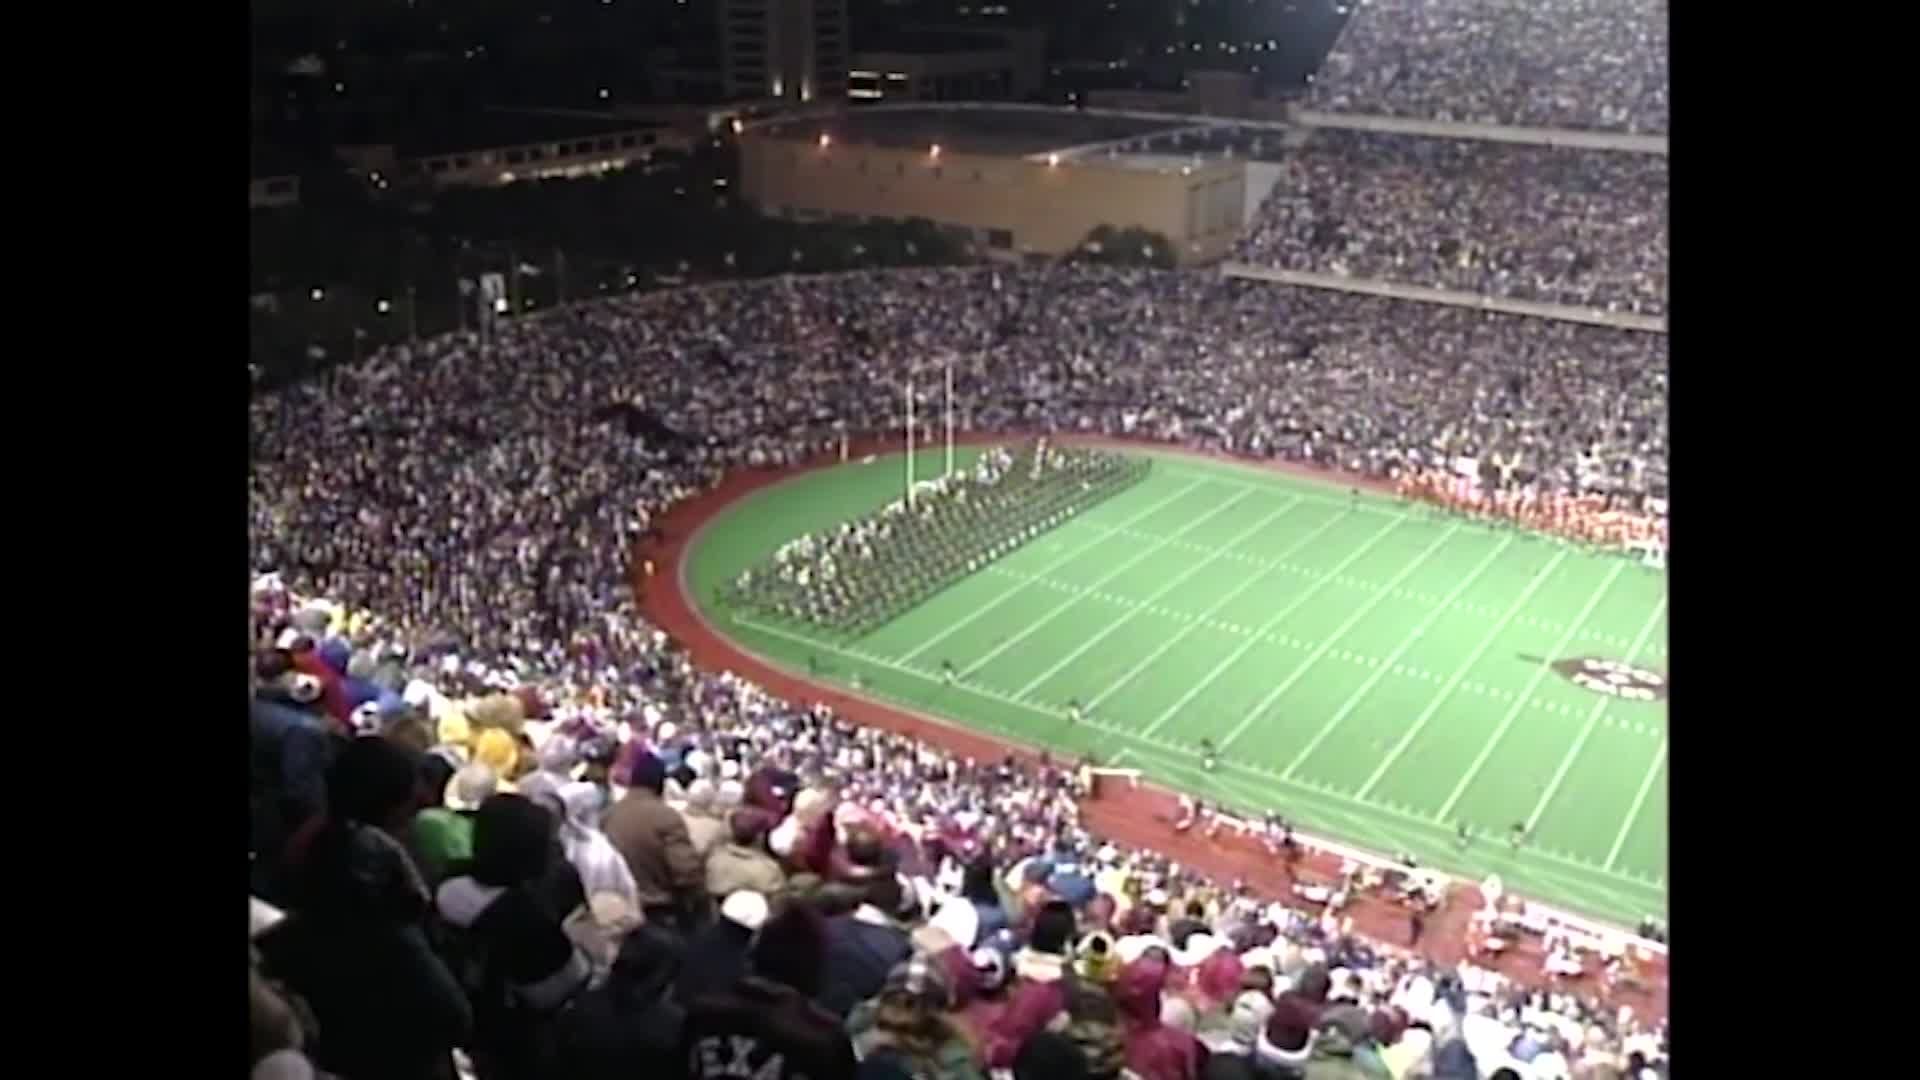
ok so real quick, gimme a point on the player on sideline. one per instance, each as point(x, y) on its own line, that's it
point(1188, 812)
point(1074, 712)
point(1208, 756)
point(946, 672)
point(1518, 833)
point(1460, 836)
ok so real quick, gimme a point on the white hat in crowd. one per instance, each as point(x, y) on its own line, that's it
point(744, 907)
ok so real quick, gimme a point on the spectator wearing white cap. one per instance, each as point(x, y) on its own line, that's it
point(706, 829)
point(558, 758)
point(716, 954)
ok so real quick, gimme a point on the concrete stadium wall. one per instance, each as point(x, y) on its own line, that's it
point(1048, 209)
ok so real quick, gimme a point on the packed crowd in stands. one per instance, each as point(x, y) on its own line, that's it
point(1548, 224)
point(1578, 64)
point(495, 810)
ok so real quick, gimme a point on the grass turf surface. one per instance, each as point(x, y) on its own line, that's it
point(1377, 672)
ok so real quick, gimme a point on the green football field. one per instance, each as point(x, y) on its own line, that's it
point(1378, 673)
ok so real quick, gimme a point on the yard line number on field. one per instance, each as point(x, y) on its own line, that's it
point(1138, 558)
point(1526, 692)
point(1453, 682)
point(1137, 606)
point(1079, 550)
point(1419, 630)
point(1201, 619)
point(1265, 628)
point(1338, 633)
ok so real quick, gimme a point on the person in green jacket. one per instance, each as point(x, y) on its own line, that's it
point(443, 835)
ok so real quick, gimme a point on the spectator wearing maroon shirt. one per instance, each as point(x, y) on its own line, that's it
point(1155, 1051)
point(1297, 1012)
point(772, 789)
point(1038, 993)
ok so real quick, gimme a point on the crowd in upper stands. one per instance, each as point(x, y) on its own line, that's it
point(470, 507)
point(1549, 224)
point(1579, 64)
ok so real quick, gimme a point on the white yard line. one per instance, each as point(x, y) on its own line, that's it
point(1593, 720)
point(1389, 836)
point(1478, 611)
point(1338, 633)
point(1419, 631)
point(1201, 619)
point(1148, 746)
point(1137, 606)
point(1078, 551)
point(1085, 590)
point(1453, 683)
point(1234, 657)
point(1519, 703)
point(1639, 800)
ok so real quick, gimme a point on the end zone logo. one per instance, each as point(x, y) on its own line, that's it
point(1613, 678)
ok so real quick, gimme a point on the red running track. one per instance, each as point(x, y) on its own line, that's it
point(1138, 817)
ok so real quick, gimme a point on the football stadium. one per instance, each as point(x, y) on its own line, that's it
point(1380, 670)
point(1172, 587)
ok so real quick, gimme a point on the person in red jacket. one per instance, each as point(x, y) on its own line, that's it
point(1155, 1051)
point(305, 659)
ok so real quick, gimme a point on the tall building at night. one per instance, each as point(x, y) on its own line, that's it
point(795, 50)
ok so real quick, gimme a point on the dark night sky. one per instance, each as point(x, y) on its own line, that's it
point(610, 37)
